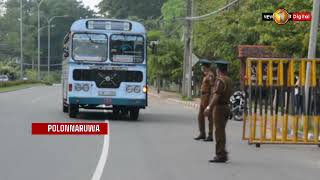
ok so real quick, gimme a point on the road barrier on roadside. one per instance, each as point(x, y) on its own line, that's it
point(277, 108)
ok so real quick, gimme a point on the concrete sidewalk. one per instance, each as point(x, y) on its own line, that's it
point(174, 97)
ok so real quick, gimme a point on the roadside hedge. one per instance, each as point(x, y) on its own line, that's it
point(20, 82)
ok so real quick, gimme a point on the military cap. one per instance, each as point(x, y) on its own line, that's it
point(205, 62)
point(222, 65)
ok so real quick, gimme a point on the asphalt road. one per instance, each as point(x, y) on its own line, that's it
point(159, 146)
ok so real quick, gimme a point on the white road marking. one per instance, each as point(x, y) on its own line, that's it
point(103, 157)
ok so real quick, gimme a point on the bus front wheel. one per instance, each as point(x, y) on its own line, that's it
point(73, 110)
point(134, 114)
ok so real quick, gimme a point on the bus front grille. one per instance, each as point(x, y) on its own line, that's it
point(107, 78)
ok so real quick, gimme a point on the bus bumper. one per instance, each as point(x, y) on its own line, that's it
point(141, 103)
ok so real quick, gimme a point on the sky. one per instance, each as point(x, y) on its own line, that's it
point(91, 4)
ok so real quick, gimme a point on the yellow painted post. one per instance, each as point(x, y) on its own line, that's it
point(314, 73)
point(302, 82)
point(295, 129)
point(254, 128)
point(302, 75)
point(269, 84)
point(305, 128)
point(285, 105)
point(272, 108)
point(316, 129)
point(250, 101)
point(292, 85)
point(275, 127)
point(244, 126)
point(281, 84)
point(314, 116)
point(260, 82)
point(305, 115)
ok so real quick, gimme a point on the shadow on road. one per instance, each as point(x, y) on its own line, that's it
point(94, 116)
point(167, 118)
point(102, 116)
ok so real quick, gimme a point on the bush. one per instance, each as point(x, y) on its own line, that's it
point(31, 74)
point(55, 77)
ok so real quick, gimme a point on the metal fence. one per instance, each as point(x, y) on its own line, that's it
point(278, 110)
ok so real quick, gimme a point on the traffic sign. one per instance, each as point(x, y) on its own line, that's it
point(195, 59)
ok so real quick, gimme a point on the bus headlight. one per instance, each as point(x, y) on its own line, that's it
point(137, 89)
point(145, 89)
point(129, 89)
point(85, 87)
point(78, 87)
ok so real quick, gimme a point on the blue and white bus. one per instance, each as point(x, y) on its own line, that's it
point(105, 66)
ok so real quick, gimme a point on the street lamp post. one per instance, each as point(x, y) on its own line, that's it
point(39, 4)
point(44, 28)
point(39, 31)
point(21, 42)
point(49, 39)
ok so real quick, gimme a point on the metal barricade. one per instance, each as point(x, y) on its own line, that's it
point(277, 110)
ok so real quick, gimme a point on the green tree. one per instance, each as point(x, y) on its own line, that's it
point(9, 68)
point(10, 28)
point(168, 59)
point(144, 9)
point(219, 36)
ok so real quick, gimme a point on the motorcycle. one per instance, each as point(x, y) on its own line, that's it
point(237, 103)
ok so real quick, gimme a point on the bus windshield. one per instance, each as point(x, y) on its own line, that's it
point(127, 48)
point(90, 47)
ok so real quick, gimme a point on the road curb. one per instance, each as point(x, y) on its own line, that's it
point(154, 95)
point(185, 103)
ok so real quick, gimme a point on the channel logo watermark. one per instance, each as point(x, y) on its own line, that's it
point(282, 16)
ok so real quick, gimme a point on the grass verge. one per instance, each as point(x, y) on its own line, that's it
point(185, 98)
point(17, 87)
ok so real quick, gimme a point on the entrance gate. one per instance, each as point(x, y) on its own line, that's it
point(277, 108)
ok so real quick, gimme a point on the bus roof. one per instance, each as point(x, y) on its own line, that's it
point(81, 26)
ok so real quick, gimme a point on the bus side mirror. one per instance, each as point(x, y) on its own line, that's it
point(65, 52)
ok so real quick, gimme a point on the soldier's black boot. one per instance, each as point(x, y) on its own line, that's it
point(219, 160)
point(201, 136)
point(208, 139)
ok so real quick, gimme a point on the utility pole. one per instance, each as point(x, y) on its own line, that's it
point(39, 70)
point(39, 41)
point(49, 48)
point(312, 47)
point(154, 47)
point(21, 41)
point(187, 64)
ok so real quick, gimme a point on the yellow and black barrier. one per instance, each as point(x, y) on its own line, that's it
point(278, 110)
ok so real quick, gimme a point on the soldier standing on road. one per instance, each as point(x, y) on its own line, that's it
point(219, 107)
point(206, 87)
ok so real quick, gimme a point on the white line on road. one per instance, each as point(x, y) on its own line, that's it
point(103, 157)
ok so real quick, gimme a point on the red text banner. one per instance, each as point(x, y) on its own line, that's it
point(70, 128)
point(301, 16)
